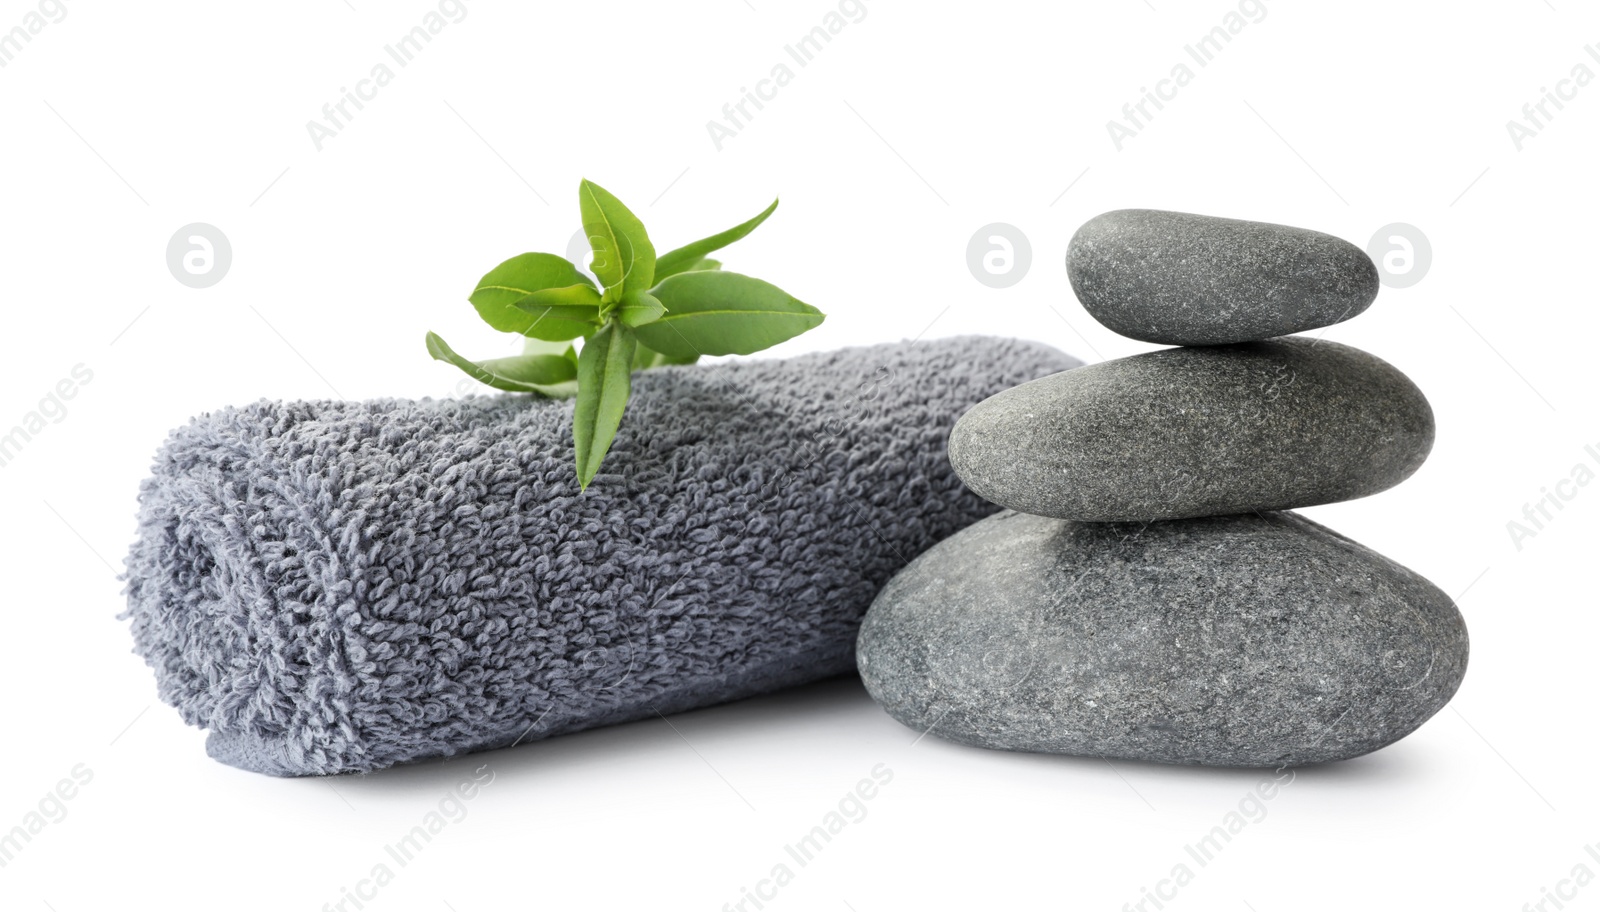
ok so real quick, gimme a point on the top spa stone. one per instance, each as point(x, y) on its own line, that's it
point(1181, 279)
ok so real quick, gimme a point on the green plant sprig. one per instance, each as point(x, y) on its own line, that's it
point(649, 311)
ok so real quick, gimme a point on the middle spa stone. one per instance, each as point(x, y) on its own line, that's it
point(1185, 432)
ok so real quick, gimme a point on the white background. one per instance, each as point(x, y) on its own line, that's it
point(914, 127)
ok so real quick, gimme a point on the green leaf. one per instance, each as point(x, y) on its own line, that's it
point(638, 308)
point(702, 264)
point(604, 369)
point(546, 347)
point(644, 359)
point(502, 287)
point(724, 313)
point(580, 295)
point(624, 259)
point(683, 259)
point(554, 376)
point(556, 322)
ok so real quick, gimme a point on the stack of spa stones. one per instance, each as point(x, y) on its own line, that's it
point(1146, 594)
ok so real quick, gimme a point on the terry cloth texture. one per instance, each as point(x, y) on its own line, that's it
point(334, 587)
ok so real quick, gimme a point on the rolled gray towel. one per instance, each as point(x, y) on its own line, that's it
point(334, 587)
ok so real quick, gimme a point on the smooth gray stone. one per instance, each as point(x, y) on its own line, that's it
point(1182, 279)
point(1186, 432)
point(1257, 641)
